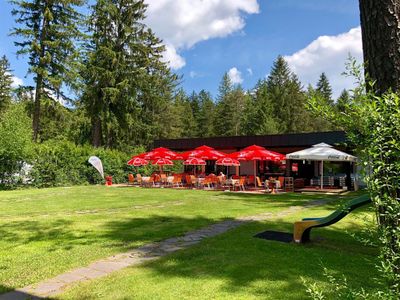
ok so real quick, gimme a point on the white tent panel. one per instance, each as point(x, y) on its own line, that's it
point(321, 152)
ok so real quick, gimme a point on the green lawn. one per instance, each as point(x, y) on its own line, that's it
point(47, 232)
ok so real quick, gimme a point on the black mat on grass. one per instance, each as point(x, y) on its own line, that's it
point(283, 237)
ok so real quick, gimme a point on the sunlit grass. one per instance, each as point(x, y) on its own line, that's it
point(46, 232)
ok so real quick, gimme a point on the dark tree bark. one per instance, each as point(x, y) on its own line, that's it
point(36, 108)
point(39, 83)
point(380, 25)
point(96, 132)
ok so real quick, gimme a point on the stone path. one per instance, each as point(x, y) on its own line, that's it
point(58, 284)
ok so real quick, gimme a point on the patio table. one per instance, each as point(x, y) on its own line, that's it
point(146, 180)
point(232, 182)
point(199, 181)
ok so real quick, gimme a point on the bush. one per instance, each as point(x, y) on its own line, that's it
point(372, 122)
point(58, 163)
point(15, 145)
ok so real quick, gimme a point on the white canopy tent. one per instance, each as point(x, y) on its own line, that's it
point(321, 152)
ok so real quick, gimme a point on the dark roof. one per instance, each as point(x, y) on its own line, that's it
point(268, 141)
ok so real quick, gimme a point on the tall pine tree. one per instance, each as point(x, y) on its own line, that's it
point(288, 99)
point(206, 115)
point(258, 116)
point(223, 121)
point(5, 83)
point(48, 31)
point(343, 101)
point(127, 87)
point(324, 89)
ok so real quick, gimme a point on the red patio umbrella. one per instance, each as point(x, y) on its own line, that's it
point(228, 162)
point(158, 153)
point(204, 152)
point(194, 161)
point(137, 162)
point(163, 162)
point(255, 153)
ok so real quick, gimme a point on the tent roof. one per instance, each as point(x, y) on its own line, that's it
point(321, 151)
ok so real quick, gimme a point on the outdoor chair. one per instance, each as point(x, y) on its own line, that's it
point(163, 178)
point(131, 179)
point(240, 184)
point(156, 179)
point(214, 180)
point(222, 181)
point(250, 180)
point(139, 179)
point(206, 182)
point(282, 182)
point(177, 181)
point(149, 183)
point(189, 182)
point(259, 183)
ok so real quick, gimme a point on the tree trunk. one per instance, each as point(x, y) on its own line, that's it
point(380, 23)
point(36, 108)
point(96, 132)
point(39, 79)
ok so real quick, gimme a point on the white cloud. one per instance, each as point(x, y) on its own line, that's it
point(328, 54)
point(173, 58)
point(192, 74)
point(183, 23)
point(16, 82)
point(249, 71)
point(235, 75)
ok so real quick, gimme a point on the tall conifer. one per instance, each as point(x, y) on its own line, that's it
point(5, 83)
point(127, 87)
point(324, 89)
point(48, 31)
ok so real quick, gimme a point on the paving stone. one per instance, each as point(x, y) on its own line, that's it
point(171, 240)
point(172, 249)
point(189, 243)
point(47, 287)
point(70, 277)
point(89, 273)
point(107, 266)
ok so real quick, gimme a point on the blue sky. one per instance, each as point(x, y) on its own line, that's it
point(207, 38)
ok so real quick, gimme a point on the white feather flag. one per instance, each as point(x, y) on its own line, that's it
point(96, 162)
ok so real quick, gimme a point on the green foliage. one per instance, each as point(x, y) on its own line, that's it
point(319, 123)
point(5, 83)
point(372, 123)
point(223, 124)
point(48, 31)
point(287, 97)
point(206, 115)
point(15, 145)
point(324, 89)
point(338, 287)
point(343, 101)
point(126, 86)
point(258, 116)
point(60, 163)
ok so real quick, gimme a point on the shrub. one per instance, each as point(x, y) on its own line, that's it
point(15, 145)
point(372, 122)
point(59, 162)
